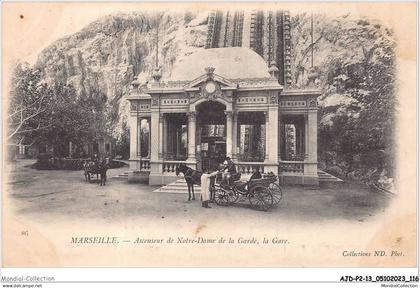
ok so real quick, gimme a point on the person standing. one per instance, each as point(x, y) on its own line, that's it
point(205, 188)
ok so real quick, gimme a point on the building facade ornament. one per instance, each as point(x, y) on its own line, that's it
point(312, 103)
point(211, 90)
point(209, 72)
point(229, 115)
point(191, 116)
point(274, 98)
point(155, 101)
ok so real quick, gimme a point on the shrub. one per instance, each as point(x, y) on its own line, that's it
point(46, 162)
point(335, 171)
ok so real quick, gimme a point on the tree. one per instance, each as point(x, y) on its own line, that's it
point(69, 120)
point(30, 102)
point(355, 59)
point(53, 115)
point(123, 142)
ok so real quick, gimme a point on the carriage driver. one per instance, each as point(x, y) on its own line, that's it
point(205, 188)
point(231, 174)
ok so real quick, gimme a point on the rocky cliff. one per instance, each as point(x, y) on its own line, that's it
point(106, 55)
point(353, 60)
point(109, 52)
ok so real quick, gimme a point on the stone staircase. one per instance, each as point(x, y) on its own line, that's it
point(177, 187)
point(122, 176)
point(180, 186)
point(325, 177)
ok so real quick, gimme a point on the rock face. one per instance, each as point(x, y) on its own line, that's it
point(109, 52)
point(106, 55)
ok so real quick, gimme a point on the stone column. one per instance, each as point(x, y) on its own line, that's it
point(165, 137)
point(155, 177)
point(160, 137)
point(235, 135)
point(267, 131)
point(178, 140)
point(311, 165)
point(154, 135)
point(306, 136)
point(229, 133)
point(272, 134)
point(280, 131)
point(133, 123)
point(313, 137)
point(150, 138)
point(191, 136)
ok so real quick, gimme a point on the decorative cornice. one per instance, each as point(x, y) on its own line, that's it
point(256, 82)
point(139, 97)
point(173, 84)
point(301, 92)
point(238, 82)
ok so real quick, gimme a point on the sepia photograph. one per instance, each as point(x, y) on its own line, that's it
point(209, 135)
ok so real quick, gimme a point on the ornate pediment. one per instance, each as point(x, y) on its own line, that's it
point(209, 75)
point(210, 86)
point(210, 90)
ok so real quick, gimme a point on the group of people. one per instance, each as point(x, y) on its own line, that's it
point(229, 175)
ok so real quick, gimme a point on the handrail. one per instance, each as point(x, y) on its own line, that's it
point(297, 162)
point(172, 161)
point(250, 163)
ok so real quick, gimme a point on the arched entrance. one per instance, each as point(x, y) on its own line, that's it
point(211, 135)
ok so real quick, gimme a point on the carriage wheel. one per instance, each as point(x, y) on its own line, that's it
point(261, 198)
point(231, 192)
point(221, 197)
point(276, 191)
point(233, 195)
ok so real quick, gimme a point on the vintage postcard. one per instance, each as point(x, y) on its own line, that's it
point(209, 135)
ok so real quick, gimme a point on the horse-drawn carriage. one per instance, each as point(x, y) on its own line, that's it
point(262, 193)
point(98, 168)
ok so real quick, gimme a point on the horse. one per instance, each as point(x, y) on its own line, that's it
point(191, 177)
point(89, 168)
point(96, 167)
point(103, 168)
